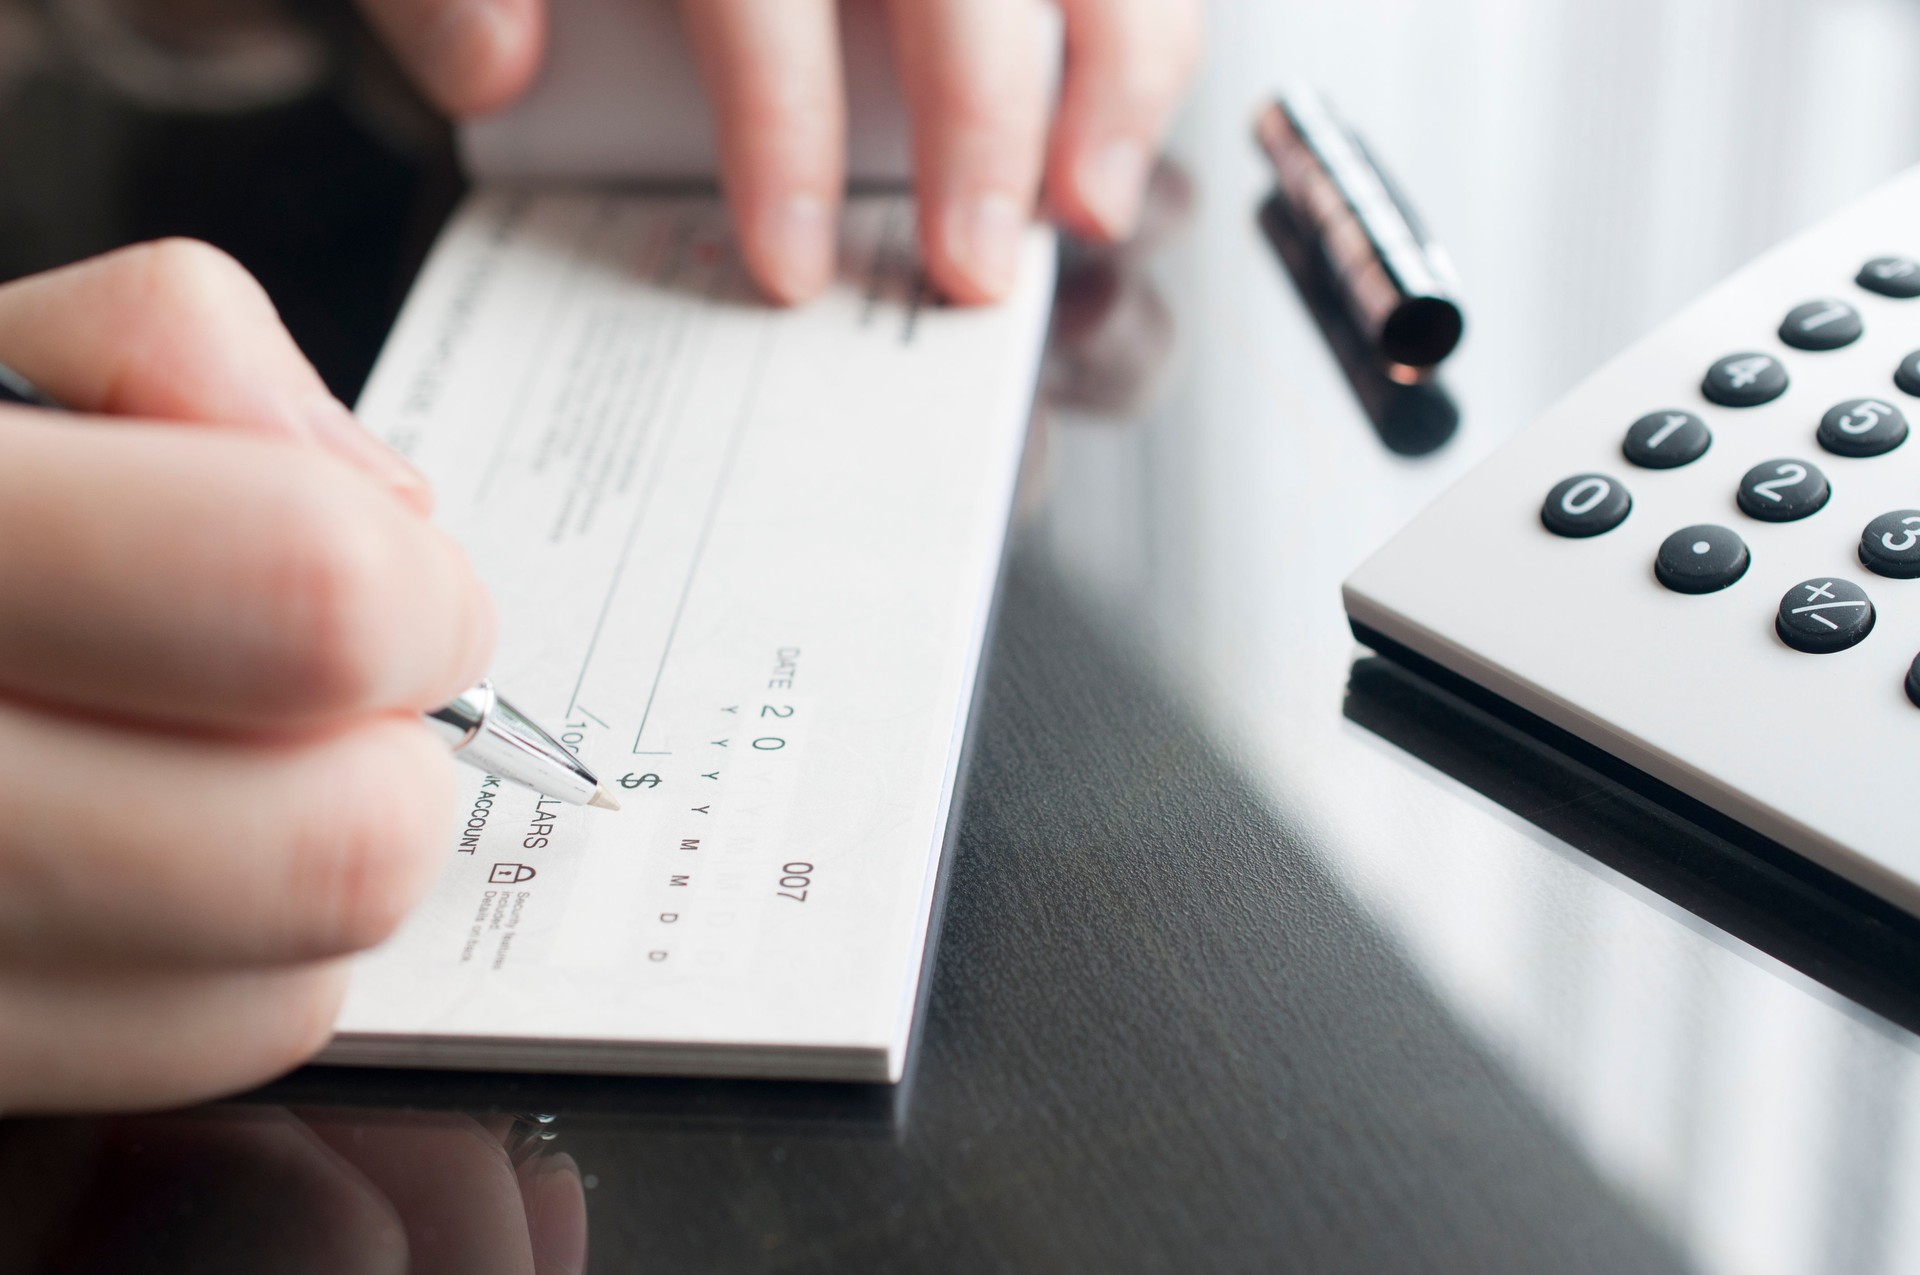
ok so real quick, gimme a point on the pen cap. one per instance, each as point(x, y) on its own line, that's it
point(1396, 282)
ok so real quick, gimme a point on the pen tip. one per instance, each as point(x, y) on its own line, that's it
point(603, 799)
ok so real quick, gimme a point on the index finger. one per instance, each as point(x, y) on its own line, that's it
point(772, 69)
point(178, 331)
point(1127, 64)
point(216, 579)
point(976, 88)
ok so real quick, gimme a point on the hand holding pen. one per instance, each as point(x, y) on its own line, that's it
point(222, 611)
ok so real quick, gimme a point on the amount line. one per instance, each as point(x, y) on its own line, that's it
point(752, 401)
point(661, 420)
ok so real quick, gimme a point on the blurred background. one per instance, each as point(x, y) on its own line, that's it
point(279, 131)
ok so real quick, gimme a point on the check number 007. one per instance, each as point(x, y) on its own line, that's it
point(796, 878)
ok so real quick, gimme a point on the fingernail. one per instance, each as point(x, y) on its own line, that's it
point(983, 242)
point(1111, 180)
point(797, 247)
point(341, 433)
point(556, 1204)
point(463, 48)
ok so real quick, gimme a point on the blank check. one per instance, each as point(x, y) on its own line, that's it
point(744, 559)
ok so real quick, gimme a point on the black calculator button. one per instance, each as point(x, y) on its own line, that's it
point(1703, 559)
point(1783, 490)
point(1585, 505)
point(1745, 380)
point(1907, 375)
point(1913, 681)
point(1890, 546)
point(1897, 277)
point(1667, 440)
point(1863, 427)
point(1822, 325)
point(1821, 616)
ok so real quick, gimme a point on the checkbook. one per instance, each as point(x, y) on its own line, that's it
point(745, 560)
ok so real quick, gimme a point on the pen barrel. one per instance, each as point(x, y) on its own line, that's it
point(457, 722)
point(1392, 277)
point(486, 731)
point(15, 388)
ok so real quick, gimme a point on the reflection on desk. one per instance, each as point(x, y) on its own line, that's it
point(261, 1188)
point(1411, 417)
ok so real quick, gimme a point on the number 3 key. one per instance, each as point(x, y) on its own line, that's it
point(1890, 546)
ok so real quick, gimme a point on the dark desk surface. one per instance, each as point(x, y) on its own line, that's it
point(1258, 953)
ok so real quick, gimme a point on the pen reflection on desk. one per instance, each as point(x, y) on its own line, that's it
point(482, 729)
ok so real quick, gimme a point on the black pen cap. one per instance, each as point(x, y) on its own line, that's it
point(1397, 282)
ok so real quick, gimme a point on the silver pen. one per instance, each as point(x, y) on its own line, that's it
point(485, 731)
point(482, 729)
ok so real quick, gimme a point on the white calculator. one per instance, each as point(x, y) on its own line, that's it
point(1705, 561)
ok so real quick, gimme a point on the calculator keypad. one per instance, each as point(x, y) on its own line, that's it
point(1586, 505)
point(1702, 559)
point(1890, 546)
point(1783, 491)
point(1822, 325)
point(1823, 616)
point(1896, 277)
point(1863, 427)
point(1667, 440)
point(1818, 616)
point(1745, 380)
